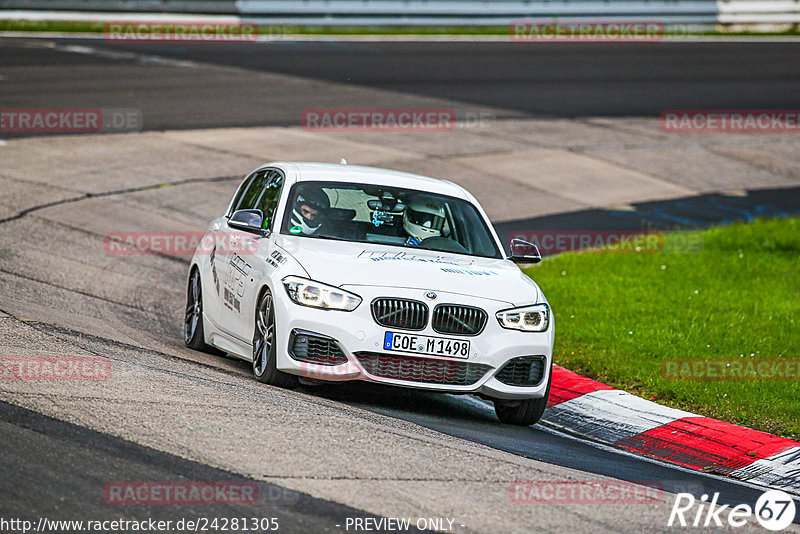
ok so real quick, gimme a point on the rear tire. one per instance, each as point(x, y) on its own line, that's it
point(265, 346)
point(193, 332)
point(525, 412)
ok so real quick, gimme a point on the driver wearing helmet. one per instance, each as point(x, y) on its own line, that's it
point(423, 218)
point(309, 210)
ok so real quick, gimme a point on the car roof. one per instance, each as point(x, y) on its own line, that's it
point(336, 172)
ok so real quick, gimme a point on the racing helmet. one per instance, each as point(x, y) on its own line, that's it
point(424, 218)
point(309, 210)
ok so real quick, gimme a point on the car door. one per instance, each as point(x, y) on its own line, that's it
point(244, 265)
point(218, 256)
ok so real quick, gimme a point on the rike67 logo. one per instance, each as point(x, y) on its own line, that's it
point(774, 510)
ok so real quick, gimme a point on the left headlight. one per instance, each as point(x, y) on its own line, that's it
point(318, 295)
point(535, 318)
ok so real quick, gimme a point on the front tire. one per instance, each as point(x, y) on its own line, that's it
point(193, 333)
point(526, 412)
point(265, 346)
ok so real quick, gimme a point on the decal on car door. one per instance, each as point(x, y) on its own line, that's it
point(214, 268)
point(276, 259)
point(233, 285)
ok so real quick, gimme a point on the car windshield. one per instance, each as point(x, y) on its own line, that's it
point(365, 213)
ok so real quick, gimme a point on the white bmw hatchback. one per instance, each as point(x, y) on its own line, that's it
point(341, 272)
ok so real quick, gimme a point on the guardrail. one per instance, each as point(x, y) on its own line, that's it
point(732, 12)
point(784, 13)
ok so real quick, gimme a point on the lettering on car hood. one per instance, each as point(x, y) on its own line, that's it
point(339, 264)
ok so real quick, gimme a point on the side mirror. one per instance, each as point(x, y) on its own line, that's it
point(249, 221)
point(523, 252)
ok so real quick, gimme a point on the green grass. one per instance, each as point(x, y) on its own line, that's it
point(619, 315)
point(271, 30)
point(274, 30)
point(278, 30)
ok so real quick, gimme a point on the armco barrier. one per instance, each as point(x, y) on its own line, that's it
point(449, 12)
point(480, 8)
point(477, 12)
point(733, 12)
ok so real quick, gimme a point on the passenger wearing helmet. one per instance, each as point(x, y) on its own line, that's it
point(309, 211)
point(423, 218)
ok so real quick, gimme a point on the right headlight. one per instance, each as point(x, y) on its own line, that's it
point(534, 318)
point(318, 295)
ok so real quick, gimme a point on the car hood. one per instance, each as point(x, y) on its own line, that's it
point(363, 264)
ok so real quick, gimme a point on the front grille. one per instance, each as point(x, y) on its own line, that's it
point(522, 371)
point(416, 369)
point(315, 349)
point(455, 319)
point(400, 313)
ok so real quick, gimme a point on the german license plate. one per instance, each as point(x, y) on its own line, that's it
point(433, 346)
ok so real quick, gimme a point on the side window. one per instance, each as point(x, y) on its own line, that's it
point(237, 198)
point(249, 198)
point(269, 196)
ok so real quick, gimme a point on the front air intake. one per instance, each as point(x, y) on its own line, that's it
point(313, 348)
point(414, 369)
point(522, 371)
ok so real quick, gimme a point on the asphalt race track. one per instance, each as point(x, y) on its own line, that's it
point(542, 80)
point(35, 447)
point(322, 454)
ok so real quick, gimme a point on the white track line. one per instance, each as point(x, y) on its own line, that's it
point(144, 59)
point(549, 428)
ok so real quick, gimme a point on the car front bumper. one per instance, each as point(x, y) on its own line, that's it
point(360, 339)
